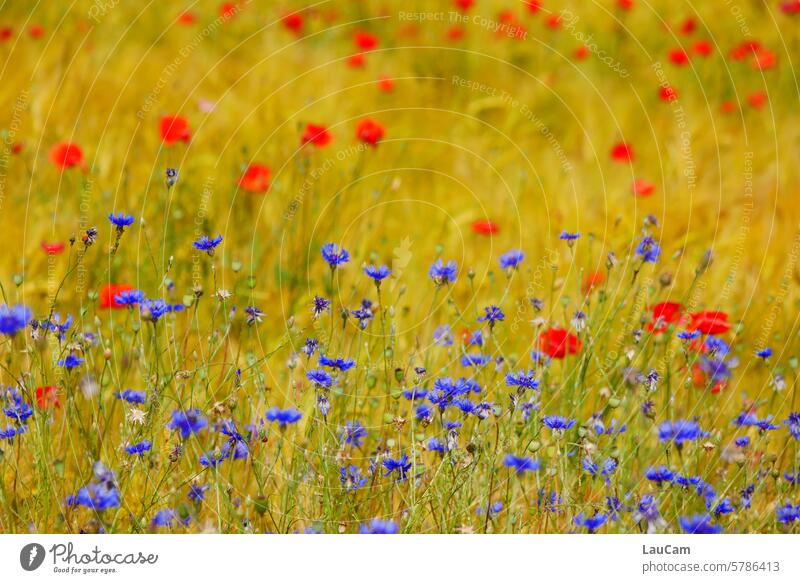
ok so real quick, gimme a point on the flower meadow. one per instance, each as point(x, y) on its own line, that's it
point(466, 266)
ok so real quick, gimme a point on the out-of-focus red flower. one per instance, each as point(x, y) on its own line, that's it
point(228, 9)
point(553, 21)
point(727, 106)
point(622, 152)
point(455, 32)
point(186, 18)
point(175, 128)
point(625, 4)
point(764, 60)
point(293, 21)
point(664, 314)
point(317, 135)
point(593, 281)
point(710, 322)
point(702, 48)
point(47, 397)
point(463, 5)
point(370, 131)
point(741, 51)
point(386, 84)
point(791, 7)
point(643, 187)
point(17, 147)
point(6, 32)
point(356, 61)
point(52, 248)
point(688, 26)
point(679, 57)
point(581, 52)
point(66, 155)
point(365, 41)
point(557, 343)
point(667, 93)
point(757, 99)
point(36, 31)
point(700, 380)
point(255, 179)
point(484, 227)
point(534, 6)
point(111, 290)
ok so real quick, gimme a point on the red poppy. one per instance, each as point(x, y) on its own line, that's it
point(667, 94)
point(463, 5)
point(17, 147)
point(688, 26)
point(643, 188)
point(317, 135)
point(622, 152)
point(255, 179)
point(6, 32)
point(792, 7)
point(484, 227)
point(533, 6)
point(47, 397)
point(294, 22)
point(664, 314)
point(186, 18)
point(175, 128)
point(553, 21)
point(52, 248)
point(679, 57)
point(455, 32)
point(741, 51)
point(370, 131)
point(625, 4)
point(710, 322)
point(702, 48)
point(111, 290)
point(386, 84)
point(727, 107)
point(592, 281)
point(228, 9)
point(365, 40)
point(66, 155)
point(764, 60)
point(356, 61)
point(700, 379)
point(557, 343)
point(581, 52)
point(36, 31)
point(757, 99)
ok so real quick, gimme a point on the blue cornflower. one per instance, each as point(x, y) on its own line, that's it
point(353, 434)
point(570, 238)
point(495, 508)
point(236, 440)
point(131, 396)
point(121, 220)
point(423, 412)
point(699, 524)
point(647, 511)
point(377, 273)
point(342, 364)
point(589, 466)
point(320, 378)
point(401, 465)
point(351, 478)
point(725, 506)
point(11, 431)
point(793, 423)
point(197, 492)
point(511, 259)
point(187, 422)
point(764, 353)
point(522, 379)
point(743, 441)
point(165, 517)
point(139, 448)
point(648, 249)
point(443, 335)
point(14, 318)
point(212, 459)
point(415, 393)
point(612, 429)
point(54, 325)
point(521, 464)
point(284, 417)
point(130, 297)
point(590, 523)
point(475, 359)
point(659, 475)
point(206, 244)
point(787, 513)
point(310, 347)
point(716, 369)
point(443, 274)
point(320, 305)
point(557, 422)
point(254, 315)
point(154, 309)
point(172, 177)
point(492, 315)
point(435, 445)
point(476, 338)
point(16, 408)
point(377, 526)
point(70, 362)
point(680, 431)
point(99, 495)
point(335, 255)
point(689, 335)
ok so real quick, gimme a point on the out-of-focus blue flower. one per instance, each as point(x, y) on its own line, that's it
point(131, 396)
point(787, 513)
point(353, 434)
point(320, 378)
point(523, 380)
point(342, 364)
point(377, 273)
point(648, 249)
point(521, 464)
point(155, 309)
point(206, 244)
point(764, 353)
point(377, 526)
point(442, 274)
point(475, 359)
point(139, 448)
point(511, 259)
point(187, 422)
point(569, 237)
point(70, 362)
point(591, 523)
point(443, 335)
point(557, 422)
point(492, 315)
point(400, 465)
point(351, 478)
point(10, 432)
point(659, 475)
point(283, 417)
point(743, 441)
point(16, 408)
point(14, 318)
point(688, 335)
point(680, 431)
point(130, 297)
point(334, 255)
point(699, 524)
point(99, 495)
point(197, 492)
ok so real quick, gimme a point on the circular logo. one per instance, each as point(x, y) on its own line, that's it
point(31, 556)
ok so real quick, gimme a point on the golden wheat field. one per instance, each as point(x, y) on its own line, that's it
point(399, 267)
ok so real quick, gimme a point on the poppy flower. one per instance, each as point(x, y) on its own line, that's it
point(553, 21)
point(47, 397)
point(702, 48)
point(52, 248)
point(534, 6)
point(625, 4)
point(710, 322)
point(293, 21)
point(643, 187)
point(679, 57)
point(664, 314)
point(66, 155)
point(727, 107)
point(764, 60)
point(757, 99)
point(386, 84)
point(688, 26)
point(700, 380)
point(593, 281)
point(110, 291)
point(741, 51)
point(792, 7)
point(36, 31)
point(455, 33)
point(557, 343)
point(356, 61)
point(186, 18)
point(463, 5)
point(581, 52)
point(17, 147)
point(484, 227)
point(6, 32)
point(365, 40)
point(317, 135)
point(228, 9)
point(667, 94)
point(175, 128)
point(255, 179)
point(370, 131)
point(622, 152)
